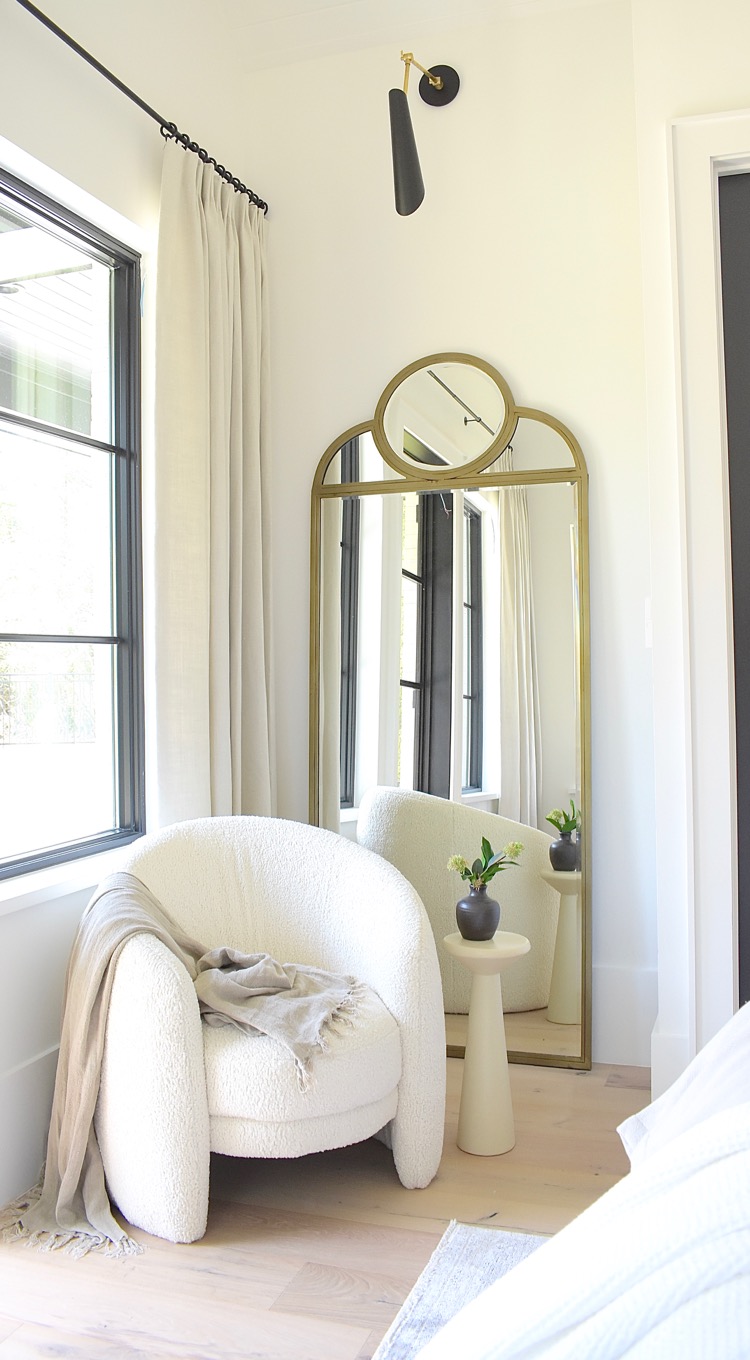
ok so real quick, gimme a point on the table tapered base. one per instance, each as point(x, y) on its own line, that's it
point(485, 1121)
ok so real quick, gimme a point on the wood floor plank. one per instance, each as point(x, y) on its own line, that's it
point(372, 1343)
point(143, 1304)
point(637, 1078)
point(309, 1259)
point(322, 1237)
point(34, 1341)
point(324, 1291)
point(39, 1342)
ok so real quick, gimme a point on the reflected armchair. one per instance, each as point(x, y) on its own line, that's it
point(417, 832)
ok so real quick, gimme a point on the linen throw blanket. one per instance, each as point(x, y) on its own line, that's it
point(291, 1003)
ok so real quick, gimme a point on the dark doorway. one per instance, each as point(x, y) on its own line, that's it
point(734, 233)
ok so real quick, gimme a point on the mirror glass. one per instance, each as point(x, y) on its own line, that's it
point(443, 413)
point(537, 447)
point(449, 655)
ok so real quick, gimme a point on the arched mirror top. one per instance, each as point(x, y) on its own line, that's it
point(447, 418)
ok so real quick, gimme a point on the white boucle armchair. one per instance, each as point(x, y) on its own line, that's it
point(174, 1089)
point(417, 832)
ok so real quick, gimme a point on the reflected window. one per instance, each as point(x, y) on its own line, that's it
point(472, 651)
point(411, 667)
point(350, 549)
point(424, 756)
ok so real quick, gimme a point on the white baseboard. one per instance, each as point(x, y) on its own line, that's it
point(624, 1014)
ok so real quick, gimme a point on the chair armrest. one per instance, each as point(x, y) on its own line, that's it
point(377, 928)
point(152, 1113)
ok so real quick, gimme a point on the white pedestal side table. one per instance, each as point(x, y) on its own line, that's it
point(565, 989)
point(485, 1120)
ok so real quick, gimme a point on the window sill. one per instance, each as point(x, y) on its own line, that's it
point(30, 890)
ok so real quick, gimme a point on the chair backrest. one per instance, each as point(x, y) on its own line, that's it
point(264, 883)
point(417, 832)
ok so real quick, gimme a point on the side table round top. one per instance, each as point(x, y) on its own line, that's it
point(565, 880)
point(487, 956)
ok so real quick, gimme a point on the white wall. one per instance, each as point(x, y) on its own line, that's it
point(690, 59)
point(35, 940)
point(525, 252)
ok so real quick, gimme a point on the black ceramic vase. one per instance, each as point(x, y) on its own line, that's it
point(563, 853)
point(478, 915)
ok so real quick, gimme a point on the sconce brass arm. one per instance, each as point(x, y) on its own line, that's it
point(408, 59)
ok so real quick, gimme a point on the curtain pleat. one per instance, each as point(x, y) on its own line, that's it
point(212, 680)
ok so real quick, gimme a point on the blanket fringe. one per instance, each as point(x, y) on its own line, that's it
point(11, 1214)
point(74, 1244)
point(341, 1018)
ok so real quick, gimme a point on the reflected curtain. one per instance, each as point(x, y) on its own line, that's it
point(212, 690)
point(520, 743)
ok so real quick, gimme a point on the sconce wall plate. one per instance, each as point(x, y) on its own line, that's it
point(433, 94)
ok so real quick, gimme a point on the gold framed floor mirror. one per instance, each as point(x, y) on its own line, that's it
point(449, 655)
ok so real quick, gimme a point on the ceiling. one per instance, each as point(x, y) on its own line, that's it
point(277, 32)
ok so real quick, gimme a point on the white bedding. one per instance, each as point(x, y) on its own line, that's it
point(659, 1267)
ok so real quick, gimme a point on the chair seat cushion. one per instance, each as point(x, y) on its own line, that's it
point(253, 1077)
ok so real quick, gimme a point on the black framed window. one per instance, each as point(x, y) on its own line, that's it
point(472, 650)
point(350, 548)
point(432, 768)
point(411, 665)
point(71, 690)
point(426, 643)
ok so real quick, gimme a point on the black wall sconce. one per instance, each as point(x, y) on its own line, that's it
point(438, 86)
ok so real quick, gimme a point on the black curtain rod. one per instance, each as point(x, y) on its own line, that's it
point(167, 129)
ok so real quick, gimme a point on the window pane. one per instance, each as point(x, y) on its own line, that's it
point(410, 534)
point(54, 329)
point(55, 537)
point(406, 737)
point(71, 699)
point(57, 773)
point(409, 622)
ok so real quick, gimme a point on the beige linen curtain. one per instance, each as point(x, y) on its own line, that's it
point(520, 744)
point(212, 690)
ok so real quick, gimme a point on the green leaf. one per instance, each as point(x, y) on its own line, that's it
point(477, 868)
point(486, 850)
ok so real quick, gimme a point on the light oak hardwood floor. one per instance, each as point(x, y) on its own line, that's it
point(311, 1259)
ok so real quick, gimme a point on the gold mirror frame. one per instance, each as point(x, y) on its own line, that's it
point(473, 475)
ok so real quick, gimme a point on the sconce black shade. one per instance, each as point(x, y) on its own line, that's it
point(408, 184)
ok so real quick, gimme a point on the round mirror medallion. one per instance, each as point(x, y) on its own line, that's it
point(444, 412)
